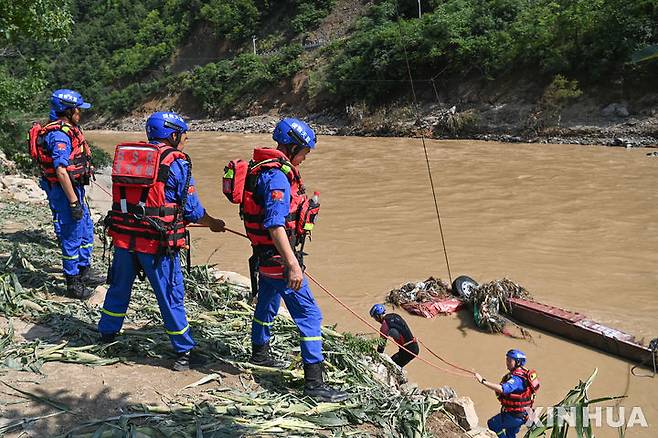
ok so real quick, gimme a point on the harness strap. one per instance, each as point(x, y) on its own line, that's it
point(123, 202)
point(136, 209)
point(143, 196)
point(410, 342)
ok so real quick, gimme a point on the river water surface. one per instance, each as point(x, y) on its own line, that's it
point(575, 225)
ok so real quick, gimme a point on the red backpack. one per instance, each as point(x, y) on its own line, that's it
point(34, 140)
point(235, 175)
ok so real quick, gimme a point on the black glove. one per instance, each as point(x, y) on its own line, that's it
point(76, 210)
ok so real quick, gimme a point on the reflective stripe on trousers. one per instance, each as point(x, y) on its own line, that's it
point(303, 310)
point(166, 278)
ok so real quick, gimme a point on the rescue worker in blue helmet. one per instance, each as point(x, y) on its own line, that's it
point(394, 326)
point(65, 161)
point(516, 393)
point(153, 199)
point(277, 214)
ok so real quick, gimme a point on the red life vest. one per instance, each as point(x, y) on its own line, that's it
point(141, 219)
point(300, 218)
point(79, 168)
point(520, 402)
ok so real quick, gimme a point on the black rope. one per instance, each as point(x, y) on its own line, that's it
point(422, 138)
point(653, 346)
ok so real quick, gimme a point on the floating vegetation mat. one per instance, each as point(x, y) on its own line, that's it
point(32, 290)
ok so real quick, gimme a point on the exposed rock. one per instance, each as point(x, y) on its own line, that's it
point(233, 278)
point(481, 432)
point(98, 298)
point(615, 110)
point(464, 411)
point(391, 375)
point(22, 189)
point(6, 165)
point(444, 393)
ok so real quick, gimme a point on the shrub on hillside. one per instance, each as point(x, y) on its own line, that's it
point(231, 19)
point(310, 13)
point(221, 87)
point(492, 38)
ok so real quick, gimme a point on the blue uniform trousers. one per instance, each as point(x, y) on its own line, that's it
point(166, 278)
point(506, 425)
point(302, 308)
point(76, 237)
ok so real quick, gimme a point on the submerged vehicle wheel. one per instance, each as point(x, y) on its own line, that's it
point(463, 286)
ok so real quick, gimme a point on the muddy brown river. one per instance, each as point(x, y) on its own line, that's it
point(576, 225)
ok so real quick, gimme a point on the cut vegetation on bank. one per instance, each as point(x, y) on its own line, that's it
point(56, 379)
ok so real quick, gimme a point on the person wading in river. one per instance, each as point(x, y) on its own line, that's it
point(516, 393)
point(64, 158)
point(277, 216)
point(394, 326)
point(153, 198)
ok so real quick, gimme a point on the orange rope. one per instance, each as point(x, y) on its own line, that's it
point(101, 187)
point(376, 330)
point(338, 300)
point(462, 372)
point(237, 233)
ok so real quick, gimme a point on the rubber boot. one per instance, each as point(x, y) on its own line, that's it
point(189, 360)
point(76, 289)
point(107, 338)
point(90, 277)
point(260, 355)
point(315, 387)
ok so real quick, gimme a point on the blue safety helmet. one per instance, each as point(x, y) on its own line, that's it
point(160, 125)
point(518, 356)
point(294, 131)
point(377, 309)
point(63, 99)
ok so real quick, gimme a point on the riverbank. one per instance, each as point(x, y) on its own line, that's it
point(510, 122)
point(58, 381)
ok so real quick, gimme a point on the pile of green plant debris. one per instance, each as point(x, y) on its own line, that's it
point(221, 318)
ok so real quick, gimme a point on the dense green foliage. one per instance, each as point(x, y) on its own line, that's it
point(38, 20)
point(22, 79)
point(218, 87)
point(578, 38)
point(120, 53)
point(116, 55)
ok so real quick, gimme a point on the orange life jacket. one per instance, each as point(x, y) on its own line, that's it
point(79, 168)
point(520, 402)
point(299, 221)
point(141, 219)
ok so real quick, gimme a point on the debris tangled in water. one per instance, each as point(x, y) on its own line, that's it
point(487, 300)
point(421, 292)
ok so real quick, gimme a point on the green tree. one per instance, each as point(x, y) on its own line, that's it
point(22, 79)
point(233, 19)
point(38, 20)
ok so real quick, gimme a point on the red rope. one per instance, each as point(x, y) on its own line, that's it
point(360, 318)
point(101, 187)
point(462, 371)
point(376, 330)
